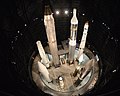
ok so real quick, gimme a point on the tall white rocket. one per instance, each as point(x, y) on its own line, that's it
point(73, 35)
point(51, 35)
point(43, 56)
point(83, 40)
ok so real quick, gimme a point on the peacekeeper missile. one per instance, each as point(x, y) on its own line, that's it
point(83, 40)
point(43, 70)
point(51, 34)
point(42, 54)
point(73, 35)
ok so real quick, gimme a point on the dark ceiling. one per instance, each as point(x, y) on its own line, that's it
point(25, 11)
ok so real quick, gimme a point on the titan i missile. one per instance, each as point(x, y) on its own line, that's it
point(44, 60)
point(83, 40)
point(87, 68)
point(43, 70)
point(73, 35)
point(51, 35)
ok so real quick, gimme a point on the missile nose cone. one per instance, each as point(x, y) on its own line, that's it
point(86, 25)
point(47, 10)
point(37, 42)
point(74, 11)
point(74, 18)
point(90, 63)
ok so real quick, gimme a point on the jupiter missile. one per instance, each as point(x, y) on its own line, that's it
point(83, 40)
point(51, 35)
point(73, 35)
point(43, 70)
point(41, 51)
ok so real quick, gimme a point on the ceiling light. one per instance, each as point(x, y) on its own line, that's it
point(57, 12)
point(66, 12)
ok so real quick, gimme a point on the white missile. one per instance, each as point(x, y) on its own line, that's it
point(73, 35)
point(74, 25)
point(43, 70)
point(61, 82)
point(83, 40)
point(51, 35)
point(41, 51)
point(87, 68)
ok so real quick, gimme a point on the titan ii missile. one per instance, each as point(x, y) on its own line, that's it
point(43, 70)
point(41, 51)
point(83, 40)
point(73, 35)
point(51, 35)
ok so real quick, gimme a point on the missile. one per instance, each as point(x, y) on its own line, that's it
point(76, 71)
point(41, 51)
point(61, 82)
point(73, 35)
point(43, 70)
point(83, 40)
point(87, 68)
point(51, 34)
point(83, 71)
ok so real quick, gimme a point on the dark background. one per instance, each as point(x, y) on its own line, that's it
point(21, 25)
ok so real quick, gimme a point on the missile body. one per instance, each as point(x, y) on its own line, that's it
point(43, 70)
point(51, 35)
point(73, 35)
point(87, 68)
point(83, 40)
point(44, 60)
